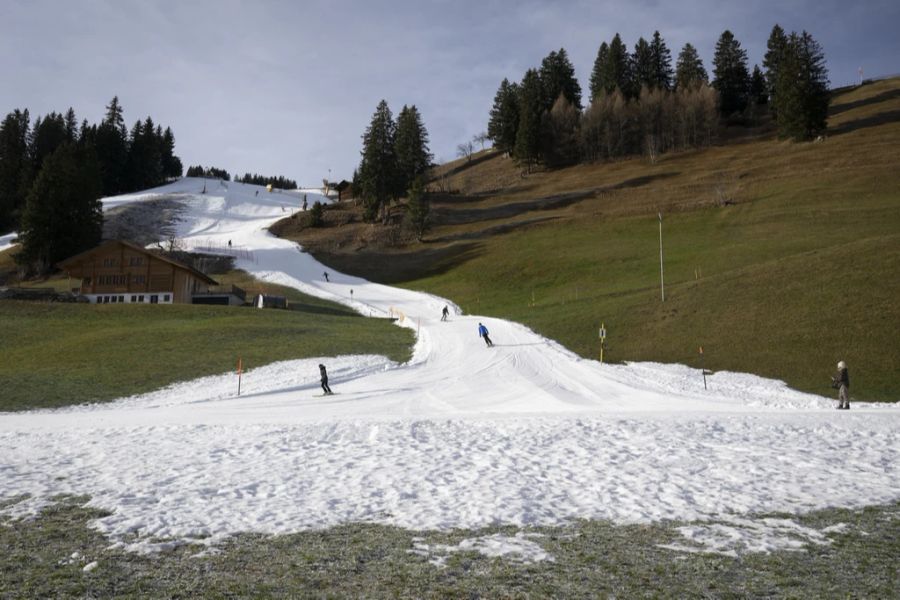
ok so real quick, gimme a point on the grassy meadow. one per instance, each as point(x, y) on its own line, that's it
point(59, 354)
point(780, 258)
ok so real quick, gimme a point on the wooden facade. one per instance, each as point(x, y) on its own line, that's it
point(118, 271)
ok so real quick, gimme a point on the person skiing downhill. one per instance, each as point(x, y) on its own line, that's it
point(483, 332)
point(842, 383)
point(324, 375)
point(326, 275)
point(444, 313)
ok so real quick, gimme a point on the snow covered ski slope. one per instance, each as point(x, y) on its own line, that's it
point(462, 436)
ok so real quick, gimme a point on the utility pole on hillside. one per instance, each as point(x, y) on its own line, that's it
point(662, 284)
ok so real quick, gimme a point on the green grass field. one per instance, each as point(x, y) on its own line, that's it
point(60, 354)
point(780, 258)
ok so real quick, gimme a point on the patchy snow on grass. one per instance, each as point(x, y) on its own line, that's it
point(519, 549)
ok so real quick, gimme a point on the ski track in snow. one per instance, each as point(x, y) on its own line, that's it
point(462, 436)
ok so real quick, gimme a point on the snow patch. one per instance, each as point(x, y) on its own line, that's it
point(733, 536)
point(519, 549)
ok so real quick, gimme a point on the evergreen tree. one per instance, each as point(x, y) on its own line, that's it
point(378, 168)
point(49, 133)
point(411, 145)
point(171, 164)
point(111, 142)
point(558, 77)
point(418, 209)
point(14, 135)
point(801, 89)
point(758, 93)
point(774, 50)
point(63, 214)
point(528, 136)
point(317, 215)
point(616, 72)
point(732, 80)
point(689, 71)
point(597, 81)
point(642, 71)
point(504, 119)
point(661, 59)
point(71, 126)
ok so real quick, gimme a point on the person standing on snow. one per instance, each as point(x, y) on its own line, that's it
point(324, 375)
point(842, 383)
point(326, 275)
point(444, 313)
point(483, 332)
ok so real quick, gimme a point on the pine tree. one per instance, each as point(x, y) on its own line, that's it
point(732, 80)
point(662, 62)
point(617, 71)
point(49, 133)
point(801, 89)
point(528, 136)
point(378, 168)
point(171, 164)
point(111, 142)
point(418, 209)
point(774, 50)
point(758, 94)
point(504, 119)
point(71, 126)
point(14, 135)
point(63, 214)
point(558, 77)
point(411, 144)
point(642, 72)
point(597, 81)
point(689, 71)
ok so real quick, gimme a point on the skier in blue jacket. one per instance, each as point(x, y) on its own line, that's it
point(483, 332)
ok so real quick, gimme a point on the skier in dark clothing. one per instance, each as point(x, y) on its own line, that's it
point(483, 332)
point(444, 313)
point(324, 375)
point(326, 275)
point(842, 383)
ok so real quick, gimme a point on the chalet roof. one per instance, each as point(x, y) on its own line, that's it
point(73, 260)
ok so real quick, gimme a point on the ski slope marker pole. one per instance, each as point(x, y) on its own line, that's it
point(702, 367)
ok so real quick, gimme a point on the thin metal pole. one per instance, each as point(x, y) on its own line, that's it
point(662, 285)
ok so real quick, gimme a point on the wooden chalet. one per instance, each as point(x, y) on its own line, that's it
point(118, 271)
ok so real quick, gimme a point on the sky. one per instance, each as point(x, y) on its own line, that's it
point(288, 87)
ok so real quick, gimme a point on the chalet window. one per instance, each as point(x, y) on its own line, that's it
point(134, 298)
point(140, 298)
point(154, 299)
point(138, 279)
point(136, 261)
point(110, 262)
point(166, 298)
point(121, 298)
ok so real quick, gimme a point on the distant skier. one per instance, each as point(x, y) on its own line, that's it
point(483, 332)
point(324, 375)
point(304, 201)
point(444, 313)
point(229, 243)
point(257, 193)
point(842, 382)
point(325, 273)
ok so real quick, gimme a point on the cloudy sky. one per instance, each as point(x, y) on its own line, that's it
point(288, 87)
